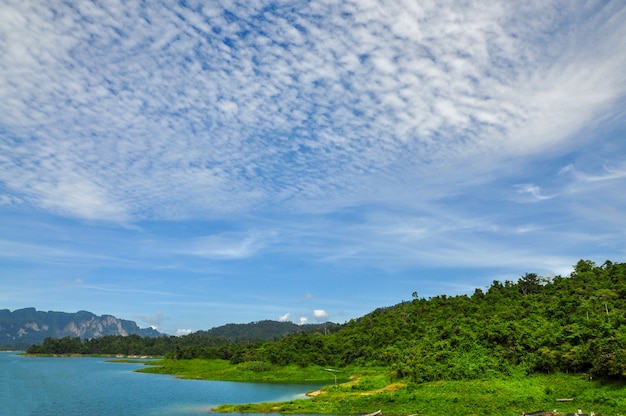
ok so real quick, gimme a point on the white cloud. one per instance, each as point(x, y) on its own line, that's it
point(608, 174)
point(320, 315)
point(227, 245)
point(368, 133)
point(284, 318)
point(302, 320)
point(169, 113)
point(534, 191)
point(9, 200)
point(182, 332)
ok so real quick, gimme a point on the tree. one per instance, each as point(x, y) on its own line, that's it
point(529, 283)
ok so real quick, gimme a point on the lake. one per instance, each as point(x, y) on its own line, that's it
point(93, 386)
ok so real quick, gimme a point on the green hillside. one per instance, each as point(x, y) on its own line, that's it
point(533, 325)
point(517, 345)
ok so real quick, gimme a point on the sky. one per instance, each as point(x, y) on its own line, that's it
point(191, 164)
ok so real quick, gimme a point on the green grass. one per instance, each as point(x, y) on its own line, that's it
point(370, 389)
point(250, 371)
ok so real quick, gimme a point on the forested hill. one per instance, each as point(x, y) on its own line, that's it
point(218, 342)
point(261, 330)
point(575, 323)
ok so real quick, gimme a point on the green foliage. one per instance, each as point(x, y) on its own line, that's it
point(518, 346)
point(66, 345)
point(224, 370)
point(232, 342)
point(496, 396)
point(535, 325)
point(107, 345)
point(262, 330)
point(256, 366)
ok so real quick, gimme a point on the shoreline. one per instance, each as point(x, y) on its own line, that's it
point(73, 355)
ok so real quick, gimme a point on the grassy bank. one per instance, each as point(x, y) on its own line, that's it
point(476, 397)
point(250, 371)
point(361, 390)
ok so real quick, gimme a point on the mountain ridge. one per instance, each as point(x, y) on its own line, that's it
point(263, 330)
point(27, 326)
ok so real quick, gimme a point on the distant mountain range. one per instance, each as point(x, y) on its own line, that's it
point(24, 327)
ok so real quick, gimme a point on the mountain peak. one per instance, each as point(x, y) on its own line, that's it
point(23, 327)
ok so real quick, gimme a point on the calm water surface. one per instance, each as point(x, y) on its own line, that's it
point(92, 386)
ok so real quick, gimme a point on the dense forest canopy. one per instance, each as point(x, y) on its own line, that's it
point(536, 324)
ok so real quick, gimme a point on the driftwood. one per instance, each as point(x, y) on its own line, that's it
point(564, 400)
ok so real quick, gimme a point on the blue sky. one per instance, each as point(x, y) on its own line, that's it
point(192, 164)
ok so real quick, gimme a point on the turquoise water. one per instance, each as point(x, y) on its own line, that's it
point(92, 386)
